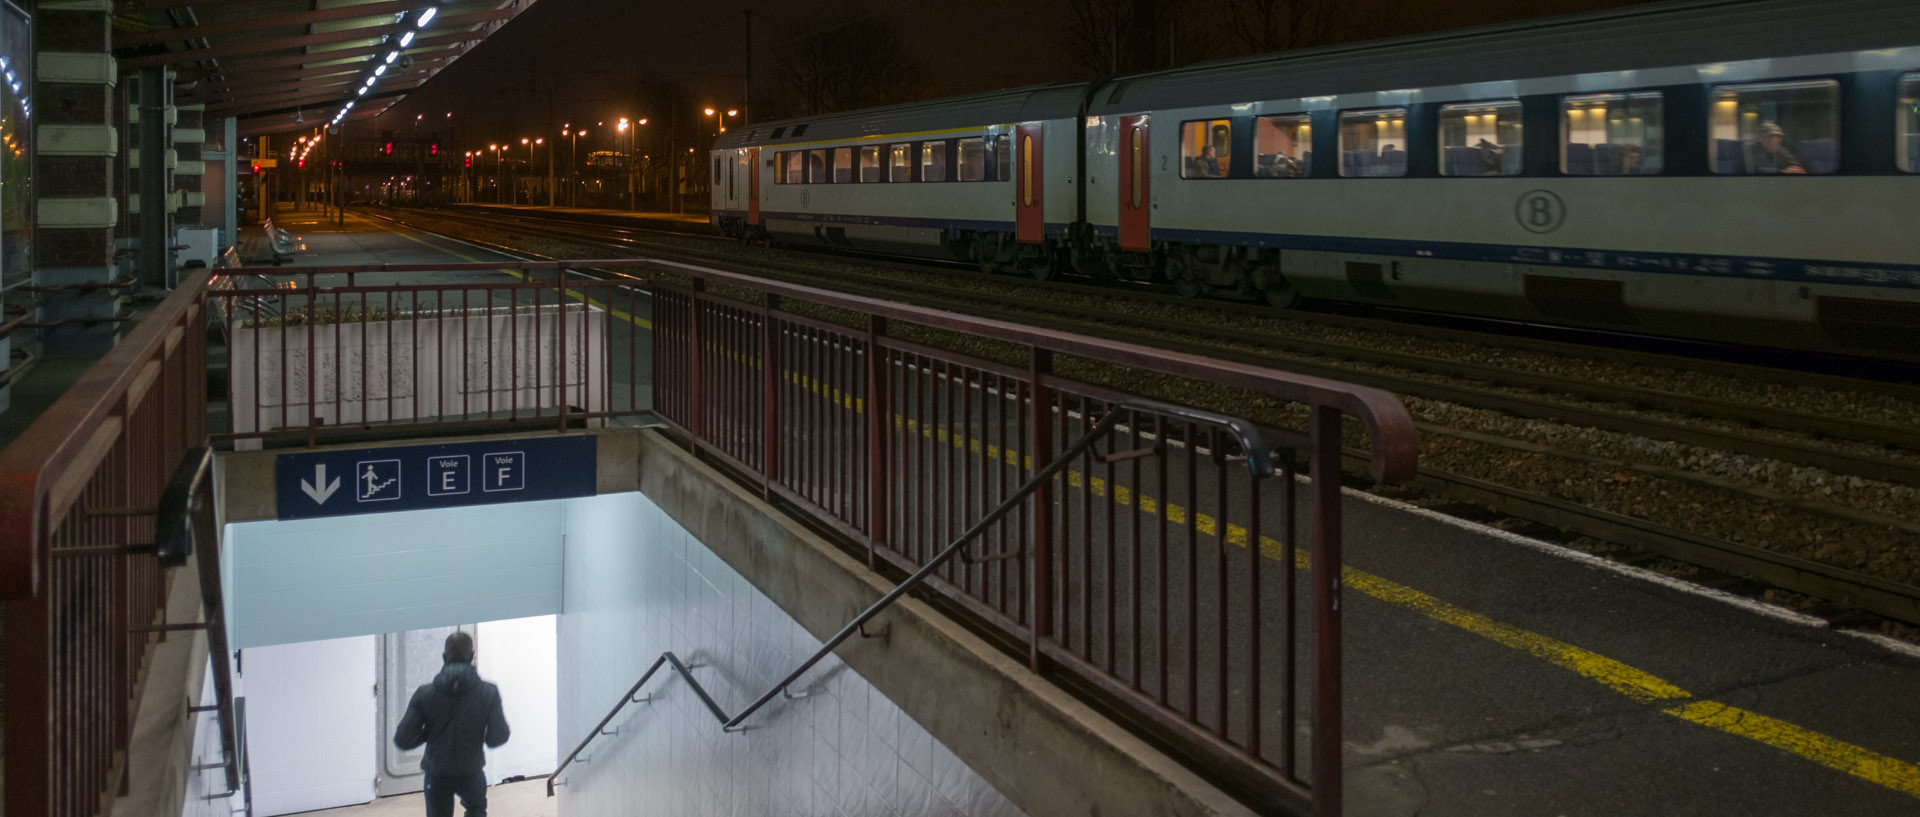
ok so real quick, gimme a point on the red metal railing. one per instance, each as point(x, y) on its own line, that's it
point(1157, 571)
point(83, 591)
point(319, 349)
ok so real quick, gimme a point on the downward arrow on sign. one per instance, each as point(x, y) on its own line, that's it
point(320, 490)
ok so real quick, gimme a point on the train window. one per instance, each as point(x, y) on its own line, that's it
point(1767, 128)
point(870, 168)
point(1908, 144)
point(1612, 135)
point(1204, 144)
point(1480, 138)
point(843, 165)
point(817, 167)
point(1372, 142)
point(902, 167)
point(970, 159)
point(1003, 158)
point(779, 131)
point(1282, 147)
point(799, 129)
point(795, 163)
point(933, 161)
point(1026, 171)
point(716, 171)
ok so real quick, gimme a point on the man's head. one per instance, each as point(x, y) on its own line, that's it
point(1771, 133)
point(1207, 152)
point(459, 649)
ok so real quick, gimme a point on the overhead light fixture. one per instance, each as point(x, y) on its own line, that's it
point(426, 16)
point(406, 39)
point(362, 91)
point(391, 56)
point(379, 69)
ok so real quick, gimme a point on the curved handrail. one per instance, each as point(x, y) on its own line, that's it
point(1259, 465)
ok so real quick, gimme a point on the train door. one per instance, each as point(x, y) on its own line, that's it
point(1029, 186)
point(1135, 197)
point(753, 186)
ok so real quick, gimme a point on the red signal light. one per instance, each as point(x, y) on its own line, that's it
point(389, 148)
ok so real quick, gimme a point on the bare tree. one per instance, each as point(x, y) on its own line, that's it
point(1125, 36)
point(847, 60)
point(1260, 26)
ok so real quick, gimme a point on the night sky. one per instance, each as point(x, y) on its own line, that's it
point(595, 60)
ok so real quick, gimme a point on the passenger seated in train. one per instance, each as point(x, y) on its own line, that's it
point(1207, 164)
point(1769, 154)
point(1277, 166)
point(1490, 154)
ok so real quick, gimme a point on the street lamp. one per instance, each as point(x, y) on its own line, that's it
point(631, 129)
point(499, 183)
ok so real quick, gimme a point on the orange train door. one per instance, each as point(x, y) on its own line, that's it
point(1030, 186)
point(753, 186)
point(1135, 197)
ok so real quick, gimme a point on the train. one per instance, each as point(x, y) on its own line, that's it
point(1730, 171)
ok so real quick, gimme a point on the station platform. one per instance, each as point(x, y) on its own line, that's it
point(1492, 675)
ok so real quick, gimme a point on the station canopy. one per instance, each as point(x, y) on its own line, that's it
point(280, 65)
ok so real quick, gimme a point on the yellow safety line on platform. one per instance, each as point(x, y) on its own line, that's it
point(577, 295)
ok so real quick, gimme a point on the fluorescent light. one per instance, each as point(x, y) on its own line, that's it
point(391, 56)
point(362, 91)
point(406, 39)
point(426, 16)
point(379, 69)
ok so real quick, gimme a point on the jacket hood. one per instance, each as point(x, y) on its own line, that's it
point(456, 678)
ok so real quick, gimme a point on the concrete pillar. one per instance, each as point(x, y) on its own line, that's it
point(152, 199)
point(189, 144)
point(75, 79)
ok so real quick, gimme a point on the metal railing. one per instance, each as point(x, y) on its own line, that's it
point(1157, 574)
point(81, 574)
point(314, 350)
point(1258, 466)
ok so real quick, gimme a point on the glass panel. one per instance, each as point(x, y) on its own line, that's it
point(870, 167)
point(1372, 143)
point(817, 167)
point(1026, 171)
point(971, 159)
point(1003, 158)
point(843, 165)
point(1612, 135)
point(1204, 144)
point(1282, 147)
point(902, 168)
point(1907, 144)
point(1769, 128)
point(933, 161)
point(1480, 139)
point(796, 163)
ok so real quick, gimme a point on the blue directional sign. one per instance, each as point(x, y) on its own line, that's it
point(378, 480)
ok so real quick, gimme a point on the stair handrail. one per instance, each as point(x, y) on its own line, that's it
point(1259, 464)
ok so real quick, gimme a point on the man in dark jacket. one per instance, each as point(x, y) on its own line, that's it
point(453, 716)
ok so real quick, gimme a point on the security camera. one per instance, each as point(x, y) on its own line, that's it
point(403, 63)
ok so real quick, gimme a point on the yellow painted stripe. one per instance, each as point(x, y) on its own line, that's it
point(862, 141)
point(575, 294)
point(1872, 767)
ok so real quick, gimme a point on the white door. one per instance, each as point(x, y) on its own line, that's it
point(310, 724)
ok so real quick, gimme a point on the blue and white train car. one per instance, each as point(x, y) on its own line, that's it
point(935, 178)
point(1737, 171)
point(1734, 170)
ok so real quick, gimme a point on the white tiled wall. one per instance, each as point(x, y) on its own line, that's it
point(636, 585)
point(310, 730)
point(315, 579)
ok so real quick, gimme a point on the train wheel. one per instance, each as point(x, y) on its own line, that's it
point(1280, 294)
point(1185, 274)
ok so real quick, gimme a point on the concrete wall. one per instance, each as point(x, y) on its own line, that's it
point(314, 579)
point(638, 584)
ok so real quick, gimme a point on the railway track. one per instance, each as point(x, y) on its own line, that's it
point(1479, 375)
